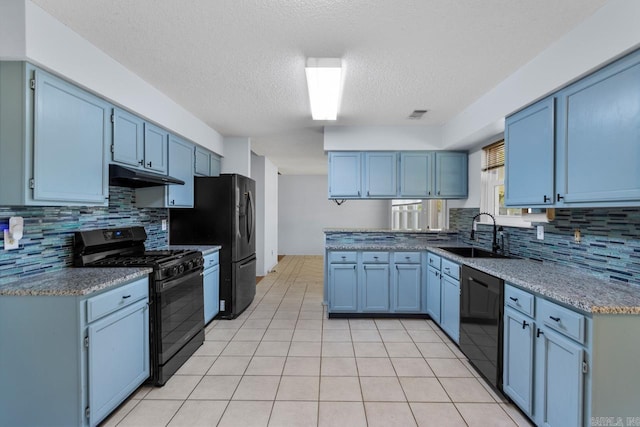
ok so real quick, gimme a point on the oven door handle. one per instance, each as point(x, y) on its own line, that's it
point(171, 283)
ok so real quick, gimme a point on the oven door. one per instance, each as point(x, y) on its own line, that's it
point(179, 313)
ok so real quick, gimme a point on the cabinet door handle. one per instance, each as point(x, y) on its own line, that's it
point(368, 194)
point(126, 296)
point(438, 192)
point(559, 197)
point(375, 257)
point(429, 193)
point(407, 257)
point(539, 333)
point(149, 164)
point(358, 193)
point(524, 324)
point(545, 199)
point(141, 162)
point(556, 319)
point(344, 257)
point(513, 299)
point(173, 202)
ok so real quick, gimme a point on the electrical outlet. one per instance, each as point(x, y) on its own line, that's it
point(540, 232)
point(164, 225)
point(577, 237)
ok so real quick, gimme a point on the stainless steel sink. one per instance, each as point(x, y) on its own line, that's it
point(471, 252)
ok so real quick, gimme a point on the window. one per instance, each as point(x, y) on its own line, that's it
point(492, 188)
point(418, 214)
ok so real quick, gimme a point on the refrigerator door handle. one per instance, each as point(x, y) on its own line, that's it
point(250, 216)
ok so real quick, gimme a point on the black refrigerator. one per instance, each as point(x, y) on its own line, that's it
point(223, 214)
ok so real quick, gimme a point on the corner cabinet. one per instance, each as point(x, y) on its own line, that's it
point(579, 147)
point(394, 175)
point(84, 358)
point(51, 133)
point(181, 164)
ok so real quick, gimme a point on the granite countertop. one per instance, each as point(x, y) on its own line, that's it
point(569, 286)
point(205, 249)
point(383, 230)
point(72, 281)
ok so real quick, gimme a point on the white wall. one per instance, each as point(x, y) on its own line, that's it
point(237, 156)
point(360, 138)
point(264, 172)
point(304, 211)
point(12, 35)
point(29, 33)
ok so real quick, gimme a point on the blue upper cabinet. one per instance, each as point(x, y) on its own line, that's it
point(215, 163)
point(181, 166)
point(51, 132)
point(599, 136)
point(451, 175)
point(380, 172)
point(155, 148)
point(529, 155)
point(207, 163)
point(202, 161)
point(583, 153)
point(344, 174)
point(128, 138)
point(137, 143)
point(401, 174)
point(416, 174)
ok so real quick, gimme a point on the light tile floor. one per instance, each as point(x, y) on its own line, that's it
point(283, 363)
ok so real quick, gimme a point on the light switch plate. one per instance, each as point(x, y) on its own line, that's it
point(540, 232)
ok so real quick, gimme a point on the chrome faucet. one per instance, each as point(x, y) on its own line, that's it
point(494, 246)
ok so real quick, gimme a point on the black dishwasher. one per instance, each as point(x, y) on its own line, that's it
point(481, 322)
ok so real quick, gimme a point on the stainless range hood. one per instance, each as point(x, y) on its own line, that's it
point(121, 176)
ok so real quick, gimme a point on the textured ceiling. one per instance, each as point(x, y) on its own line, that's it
point(239, 64)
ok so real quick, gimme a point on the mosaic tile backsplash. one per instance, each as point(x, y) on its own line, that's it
point(609, 246)
point(48, 231)
point(348, 238)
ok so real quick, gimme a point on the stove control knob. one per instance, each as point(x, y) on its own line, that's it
point(189, 265)
point(181, 269)
point(174, 271)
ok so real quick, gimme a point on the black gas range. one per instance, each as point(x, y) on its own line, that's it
point(176, 308)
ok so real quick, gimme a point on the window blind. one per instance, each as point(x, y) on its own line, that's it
point(493, 156)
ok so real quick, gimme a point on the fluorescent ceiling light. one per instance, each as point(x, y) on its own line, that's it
point(324, 77)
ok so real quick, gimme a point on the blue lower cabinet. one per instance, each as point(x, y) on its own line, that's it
point(343, 288)
point(375, 288)
point(519, 333)
point(559, 380)
point(450, 314)
point(433, 293)
point(84, 358)
point(407, 288)
point(211, 292)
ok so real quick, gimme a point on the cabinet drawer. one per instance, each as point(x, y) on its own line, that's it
point(336, 257)
point(103, 304)
point(518, 299)
point(451, 269)
point(433, 260)
point(211, 259)
point(406, 257)
point(561, 319)
point(375, 257)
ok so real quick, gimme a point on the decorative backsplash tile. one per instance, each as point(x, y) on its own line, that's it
point(348, 237)
point(609, 245)
point(48, 231)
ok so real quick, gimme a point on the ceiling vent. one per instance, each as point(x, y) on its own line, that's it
point(417, 114)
